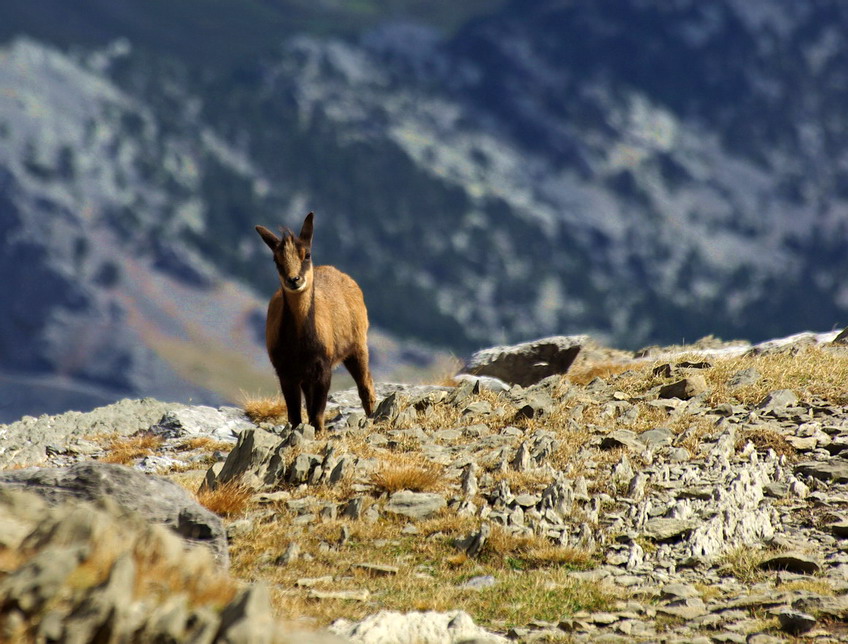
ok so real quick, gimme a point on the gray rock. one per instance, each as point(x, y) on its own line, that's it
point(478, 583)
point(224, 423)
point(793, 562)
point(415, 505)
point(155, 498)
point(684, 389)
point(744, 377)
point(795, 622)
point(661, 529)
point(256, 461)
point(833, 469)
point(35, 583)
point(25, 442)
point(527, 363)
point(622, 438)
point(248, 618)
point(388, 408)
point(535, 405)
point(778, 400)
point(473, 544)
point(388, 626)
point(484, 382)
point(659, 437)
point(377, 570)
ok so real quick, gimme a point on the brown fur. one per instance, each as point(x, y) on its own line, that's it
point(316, 319)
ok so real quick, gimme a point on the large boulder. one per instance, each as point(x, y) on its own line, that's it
point(91, 572)
point(155, 498)
point(428, 627)
point(527, 363)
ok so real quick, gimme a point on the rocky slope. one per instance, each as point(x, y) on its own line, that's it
point(685, 494)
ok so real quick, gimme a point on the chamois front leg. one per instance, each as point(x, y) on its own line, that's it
point(316, 399)
point(357, 365)
point(291, 393)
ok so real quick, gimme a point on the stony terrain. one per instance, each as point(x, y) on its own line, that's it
point(676, 494)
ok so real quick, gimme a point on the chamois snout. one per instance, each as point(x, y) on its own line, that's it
point(294, 283)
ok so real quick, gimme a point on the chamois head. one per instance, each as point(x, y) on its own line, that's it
point(292, 255)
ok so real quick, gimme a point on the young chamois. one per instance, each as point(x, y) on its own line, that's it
point(316, 319)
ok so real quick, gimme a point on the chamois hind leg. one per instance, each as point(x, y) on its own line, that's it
point(316, 400)
point(291, 393)
point(357, 365)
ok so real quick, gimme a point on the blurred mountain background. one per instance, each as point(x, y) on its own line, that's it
point(647, 171)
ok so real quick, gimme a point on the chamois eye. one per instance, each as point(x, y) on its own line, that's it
point(307, 256)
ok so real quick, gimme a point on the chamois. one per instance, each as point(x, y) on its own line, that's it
point(316, 319)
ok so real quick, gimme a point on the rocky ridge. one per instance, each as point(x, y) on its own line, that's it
point(698, 491)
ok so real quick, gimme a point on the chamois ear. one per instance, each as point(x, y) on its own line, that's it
point(306, 231)
point(268, 237)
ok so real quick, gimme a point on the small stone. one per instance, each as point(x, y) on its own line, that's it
point(415, 505)
point(291, 554)
point(535, 405)
point(684, 389)
point(473, 544)
point(661, 529)
point(679, 591)
point(478, 583)
point(778, 400)
point(378, 570)
point(776, 490)
point(689, 608)
point(345, 595)
point(795, 622)
point(834, 469)
point(793, 562)
point(657, 437)
point(839, 529)
point(622, 438)
point(744, 377)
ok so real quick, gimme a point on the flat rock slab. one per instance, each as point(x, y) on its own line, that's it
point(833, 469)
point(684, 389)
point(527, 363)
point(378, 570)
point(415, 505)
point(793, 562)
point(153, 497)
point(668, 529)
point(223, 423)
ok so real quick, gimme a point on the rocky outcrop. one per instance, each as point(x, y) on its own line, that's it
point(83, 572)
point(153, 498)
point(527, 363)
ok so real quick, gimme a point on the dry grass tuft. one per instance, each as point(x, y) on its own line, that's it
point(229, 500)
point(586, 373)
point(765, 439)
point(207, 444)
point(411, 474)
point(813, 372)
point(268, 409)
point(533, 551)
point(122, 451)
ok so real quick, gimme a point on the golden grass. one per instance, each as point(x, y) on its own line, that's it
point(430, 570)
point(585, 373)
point(267, 409)
point(533, 551)
point(229, 500)
point(408, 472)
point(813, 372)
point(123, 451)
point(206, 444)
point(765, 439)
